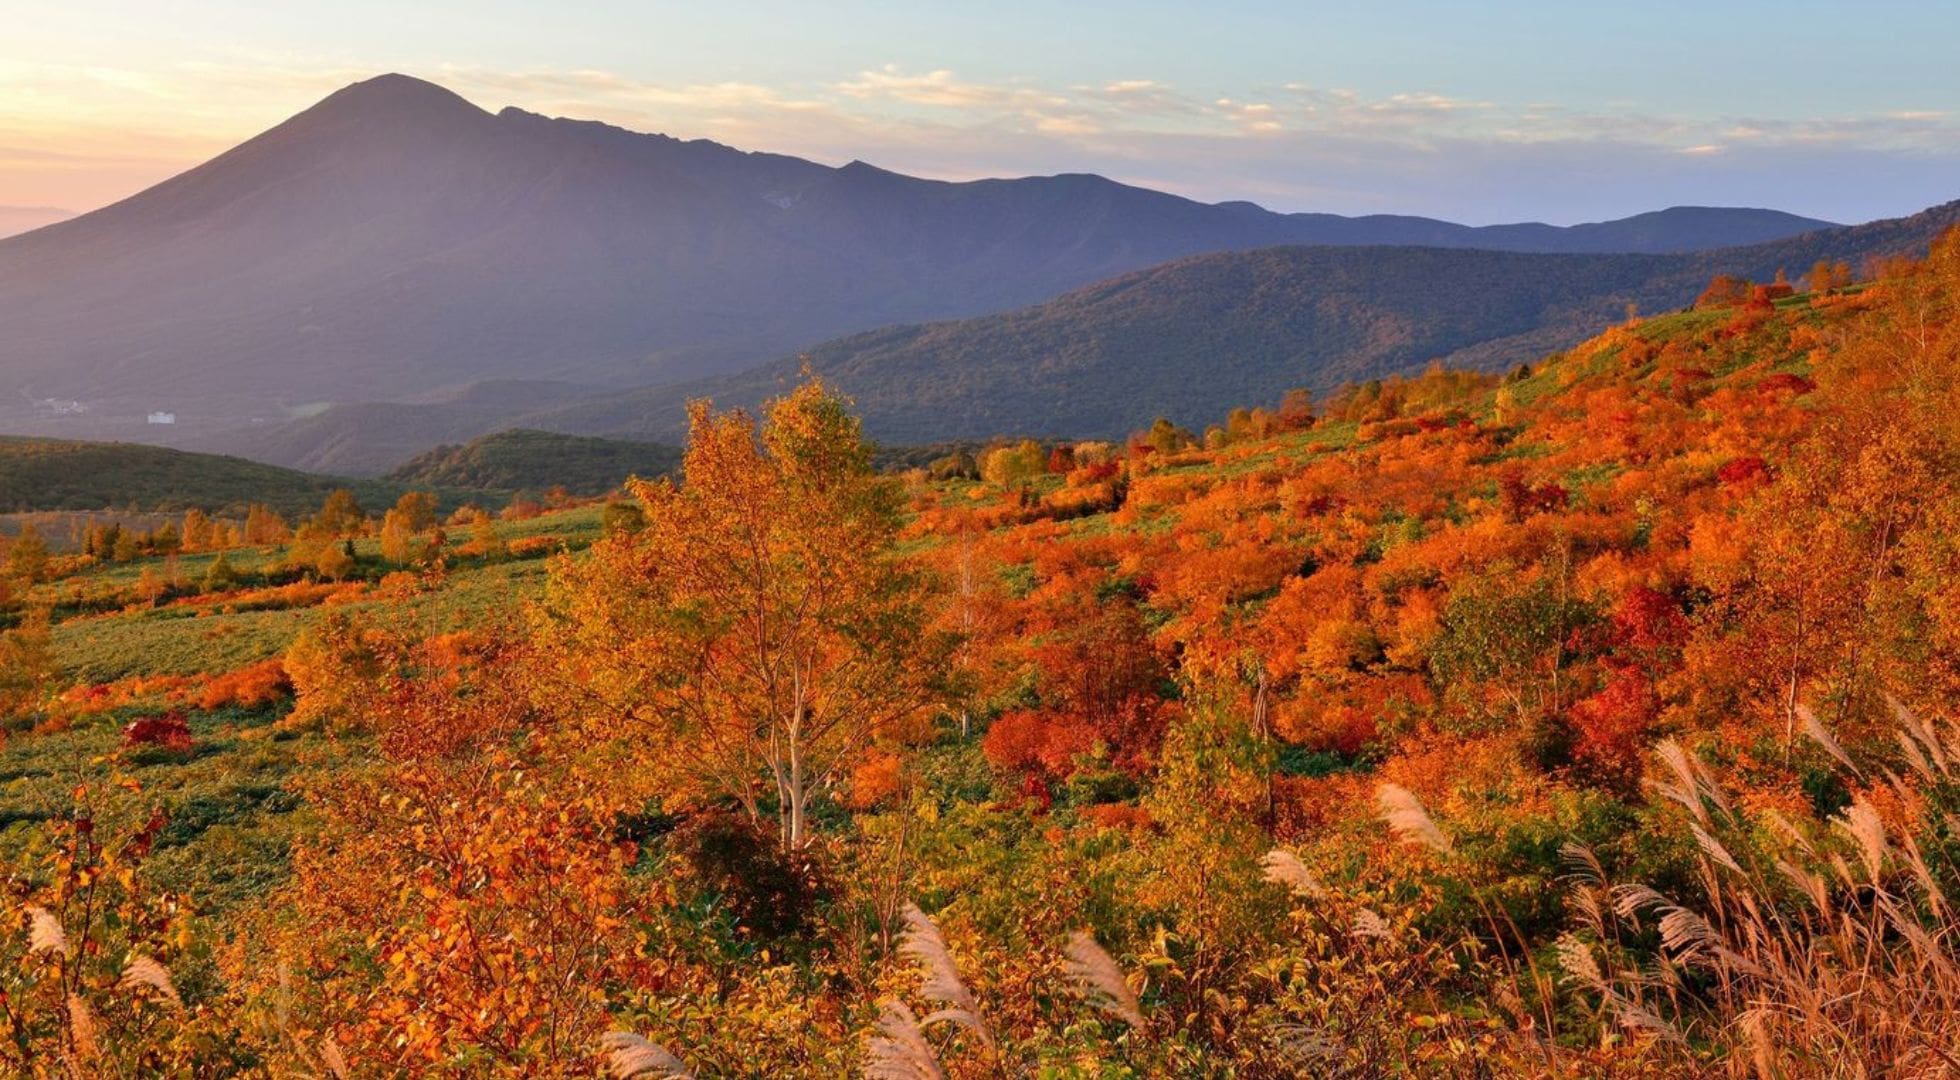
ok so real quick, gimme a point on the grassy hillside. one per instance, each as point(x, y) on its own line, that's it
point(526, 460)
point(58, 474)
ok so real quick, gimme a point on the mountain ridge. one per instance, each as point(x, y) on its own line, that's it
point(1074, 366)
point(396, 241)
point(1194, 337)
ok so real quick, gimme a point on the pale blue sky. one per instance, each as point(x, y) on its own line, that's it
point(1475, 111)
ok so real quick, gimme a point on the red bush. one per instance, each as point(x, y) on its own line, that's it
point(1037, 743)
point(1523, 499)
point(1093, 474)
point(1610, 730)
point(1742, 469)
point(1645, 620)
point(169, 731)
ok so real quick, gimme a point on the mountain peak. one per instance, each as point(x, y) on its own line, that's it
point(394, 95)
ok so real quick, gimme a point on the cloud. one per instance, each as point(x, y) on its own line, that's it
point(941, 88)
point(78, 135)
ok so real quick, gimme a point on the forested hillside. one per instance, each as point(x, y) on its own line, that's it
point(1597, 718)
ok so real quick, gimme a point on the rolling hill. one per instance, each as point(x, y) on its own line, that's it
point(68, 475)
point(397, 244)
point(526, 460)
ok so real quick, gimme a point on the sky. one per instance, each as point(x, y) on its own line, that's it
point(1478, 112)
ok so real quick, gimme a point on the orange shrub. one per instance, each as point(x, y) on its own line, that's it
point(534, 546)
point(873, 783)
point(251, 687)
point(1125, 816)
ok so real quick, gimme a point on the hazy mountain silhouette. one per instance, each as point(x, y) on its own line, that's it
point(1193, 338)
point(396, 241)
point(1188, 339)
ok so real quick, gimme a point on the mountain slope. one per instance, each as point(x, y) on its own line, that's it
point(20, 219)
point(396, 241)
point(1192, 338)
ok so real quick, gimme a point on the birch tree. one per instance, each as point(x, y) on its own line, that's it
point(758, 633)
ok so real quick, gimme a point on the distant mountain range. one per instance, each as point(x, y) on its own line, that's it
point(1196, 337)
point(1188, 339)
point(20, 219)
point(396, 244)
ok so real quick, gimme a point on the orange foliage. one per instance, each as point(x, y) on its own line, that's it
point(250, 687)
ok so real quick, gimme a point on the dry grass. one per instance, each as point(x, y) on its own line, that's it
point(939, 978)
point(44, 933)
point(145, 972)
point(1098, 980)
point(1406, 817)
point(631, 1057)
point(898, 1050)
point(1810, 953)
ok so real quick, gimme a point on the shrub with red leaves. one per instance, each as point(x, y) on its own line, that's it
point(169, 731)
point(1523, 499)
point(1647, 621)
point(1742, 469)
point(1612, 730)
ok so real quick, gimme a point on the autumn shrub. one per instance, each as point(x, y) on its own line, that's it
point(534, 547)
point(1613, 729)
point(169, 732)
point(298, 594)
point(252, 687)
point(1787, 382)
point(330, 666)
point(1039, 743)
point(438, 887)
point(875, 782)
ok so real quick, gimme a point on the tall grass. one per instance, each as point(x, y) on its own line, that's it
point(1809, 952)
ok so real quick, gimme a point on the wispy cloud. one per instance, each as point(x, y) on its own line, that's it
point(74, 135)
